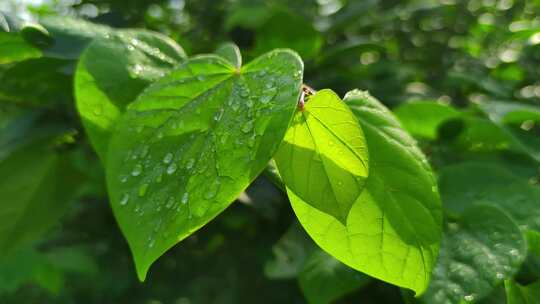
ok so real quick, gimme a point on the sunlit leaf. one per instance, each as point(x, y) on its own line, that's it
point(393, 229)
point(323, 158)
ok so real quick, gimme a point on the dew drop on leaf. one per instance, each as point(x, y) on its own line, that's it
point(137, 170)
point(171, 168)
point(185, 198)
point(142, 190)
point(168, 158)
point(248, 126)
point(124, 200)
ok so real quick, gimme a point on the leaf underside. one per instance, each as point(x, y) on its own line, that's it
point(323, 158)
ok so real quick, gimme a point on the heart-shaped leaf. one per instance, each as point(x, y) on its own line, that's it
point(394, 228)
point(323, 158)
point(478, 252)
point(113, 71)
point(192, 142)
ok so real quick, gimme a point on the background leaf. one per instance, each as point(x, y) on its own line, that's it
point(478, 252)
point(517, 294)
point(113, 71)
point(324, 279)
point(40, 187)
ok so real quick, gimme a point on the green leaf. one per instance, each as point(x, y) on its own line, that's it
point(290, 254)
point(510, 112)
point(231, 52)
point(533, 240)
point(285, 29)
point(324, 279)
point(71, 35)
point(40, 186)
point(478, 252)
point(192, 142)
point(113, 71)
point(40, 82)
point(517, 294)
point(422, 118)
point(14, 48)
point(466, 183)
point(323, 158)
point(393, 229)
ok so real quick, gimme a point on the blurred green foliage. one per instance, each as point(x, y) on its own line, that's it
point(462, 76)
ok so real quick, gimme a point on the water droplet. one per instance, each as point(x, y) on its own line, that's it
point(251, 141)
point(200, 78)
point(223, 138)
point(469, 298)
point(248, 126)
point(137, 170)
point(434, 189)
point(268, 95)
point(139, 129)
point(123, 178)
point(159, 135)
point(190, 164)
point(98, 110)
point(168, 158)
point(130, 47)
point(170, 202)
point(514, 252)
point(144, 151)
point(142, 189)
point(137, 69)
point(213, 190)
point(171, 168)
point(499, 276)
point(151, 243)
point(124, 200)
point(217, 116)
point(134, 41)
point(185, 198)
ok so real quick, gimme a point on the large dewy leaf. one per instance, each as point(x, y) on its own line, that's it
point(192, 142)
point(113, 71)
point(394, 228)
point(477, 253)
point(323, 158)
